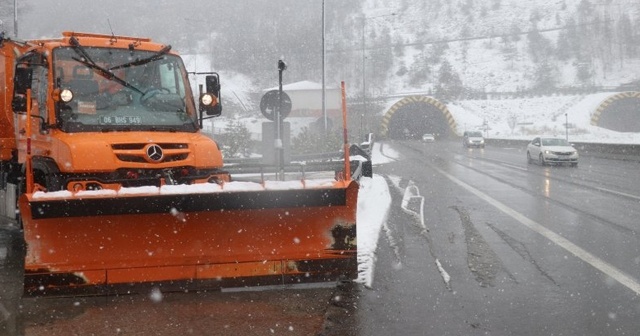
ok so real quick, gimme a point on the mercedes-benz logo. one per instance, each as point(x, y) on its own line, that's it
point(154, 152)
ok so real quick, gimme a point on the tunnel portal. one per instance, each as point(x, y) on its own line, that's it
point(412, 117)
point(620, 112)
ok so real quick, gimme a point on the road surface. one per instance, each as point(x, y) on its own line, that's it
point(507, 248)
point(483, 243)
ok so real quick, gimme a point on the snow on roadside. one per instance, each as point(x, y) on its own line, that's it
point(374, 202)
point(383, 154)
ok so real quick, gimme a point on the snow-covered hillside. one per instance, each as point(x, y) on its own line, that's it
point(529, 117)
point(488, 46)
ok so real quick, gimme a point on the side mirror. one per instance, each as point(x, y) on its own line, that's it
point(213, 84)
point(210, 101)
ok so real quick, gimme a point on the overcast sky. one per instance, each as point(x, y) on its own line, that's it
point(45, 18)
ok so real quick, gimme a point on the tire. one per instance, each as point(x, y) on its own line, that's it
point(575, 165)
point(541, 160)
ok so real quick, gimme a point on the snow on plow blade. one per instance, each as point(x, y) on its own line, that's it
point(204, 236)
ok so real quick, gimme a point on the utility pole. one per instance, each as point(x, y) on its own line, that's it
point(15, 18)
point(324, 107)
point(566, 126)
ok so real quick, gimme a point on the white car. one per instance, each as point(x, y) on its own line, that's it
point(472, 139)
point(428, 138)
point(546, 150)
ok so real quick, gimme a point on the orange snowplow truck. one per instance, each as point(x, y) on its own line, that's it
point(111, 185)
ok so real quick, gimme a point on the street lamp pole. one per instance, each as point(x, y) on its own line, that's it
point(364, 88)
point(15, 18)
point(566, 126)
point(324, 106)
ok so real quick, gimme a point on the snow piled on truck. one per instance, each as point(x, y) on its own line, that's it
point(201, 188)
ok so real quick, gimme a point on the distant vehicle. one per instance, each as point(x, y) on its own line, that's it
point(551, 150)
point(473, 139)
point(428, 138)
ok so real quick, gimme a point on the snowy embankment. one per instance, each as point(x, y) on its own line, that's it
point(525, 118)
point(374, 202)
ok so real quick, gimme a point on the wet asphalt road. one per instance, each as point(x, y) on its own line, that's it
point(507, 248)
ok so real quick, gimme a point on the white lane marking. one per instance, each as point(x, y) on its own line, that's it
point(445, 276)
point(514, 167)
point(585, 256)
point(411, 192)
point(617, 193)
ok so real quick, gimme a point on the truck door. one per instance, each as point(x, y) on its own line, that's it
point(34, 65)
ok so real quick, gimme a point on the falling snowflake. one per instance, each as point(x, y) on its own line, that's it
point(155, 295)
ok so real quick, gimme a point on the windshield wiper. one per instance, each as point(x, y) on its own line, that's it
point(107, 74)
point(80, 50)
point(77, 47)
point(151, 58)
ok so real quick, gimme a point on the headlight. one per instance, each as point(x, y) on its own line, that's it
point(207, 99)
point(66, 95)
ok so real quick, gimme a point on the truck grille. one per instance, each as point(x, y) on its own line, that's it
point(135, 152)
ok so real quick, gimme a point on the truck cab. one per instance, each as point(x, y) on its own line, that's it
point(104, 112)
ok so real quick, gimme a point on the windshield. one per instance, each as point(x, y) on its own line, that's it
point(475, 134)
point(554, 142)
point(116, 89)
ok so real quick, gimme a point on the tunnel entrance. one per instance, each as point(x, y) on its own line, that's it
point(620, 113)
point(412, 117)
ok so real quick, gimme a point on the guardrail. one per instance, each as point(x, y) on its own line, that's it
point(334, 161)
point(626, 152)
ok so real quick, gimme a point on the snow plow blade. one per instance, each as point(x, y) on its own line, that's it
point(235, 235)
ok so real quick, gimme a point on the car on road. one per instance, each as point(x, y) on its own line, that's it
point(472, 139)
point(548, 150)
point(428, 138)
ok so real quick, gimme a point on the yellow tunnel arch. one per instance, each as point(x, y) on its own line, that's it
point(413, 100)
point(619, 112)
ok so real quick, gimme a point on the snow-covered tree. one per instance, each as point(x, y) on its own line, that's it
point(449, 85)
point(237, 140)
